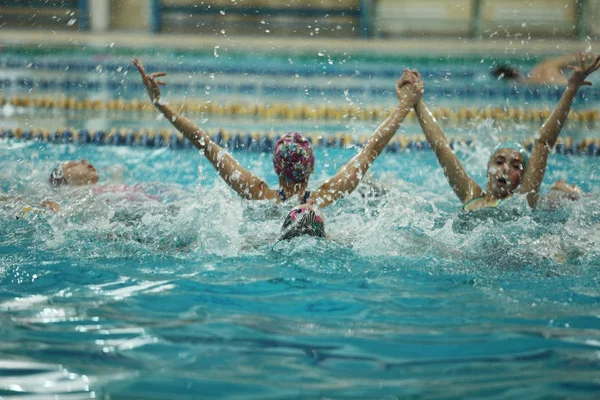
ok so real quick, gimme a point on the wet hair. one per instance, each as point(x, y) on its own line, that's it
point(302, 220)
point(57, 177)
point(505, 72)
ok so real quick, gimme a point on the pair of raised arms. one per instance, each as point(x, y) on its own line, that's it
point(408, 89)
point(464, 186)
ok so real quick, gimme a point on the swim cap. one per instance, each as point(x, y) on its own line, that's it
point(57, 177)
point(293, 157)
point(515, 146)
point(303, 220)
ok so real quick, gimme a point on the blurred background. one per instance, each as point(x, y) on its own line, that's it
point(348, 19)
point(327, 66)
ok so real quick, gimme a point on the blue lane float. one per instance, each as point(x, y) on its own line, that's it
point(279, 70)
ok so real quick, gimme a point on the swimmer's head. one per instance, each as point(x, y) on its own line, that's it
point(293, 158)
point(505, 168)
point(74, 173)
point(505, 72)
point(303, 220)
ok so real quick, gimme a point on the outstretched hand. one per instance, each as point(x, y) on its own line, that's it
point(50, 204)
point(582, 71)
point(409, 88)
point(150, 81)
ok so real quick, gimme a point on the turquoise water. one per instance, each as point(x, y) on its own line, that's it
point(190, 296)
point(170, 286)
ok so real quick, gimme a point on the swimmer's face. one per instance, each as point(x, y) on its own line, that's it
point(505, 172)
point(80, 173)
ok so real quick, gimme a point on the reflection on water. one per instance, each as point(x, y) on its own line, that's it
point(158, 285)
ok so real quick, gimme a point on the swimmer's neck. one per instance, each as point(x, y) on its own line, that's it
point(290, 189)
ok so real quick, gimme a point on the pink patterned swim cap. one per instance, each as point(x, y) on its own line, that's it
point(293, 157)
point(303, 220)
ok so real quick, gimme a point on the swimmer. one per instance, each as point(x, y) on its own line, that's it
point(45, 204)
point(304, 219)
point(510, 170)
point(550, 71)
point(560, 193)
point(73, 173)
point(293, 158)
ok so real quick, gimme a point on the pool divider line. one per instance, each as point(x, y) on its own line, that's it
point(295, 111)
point(209, 66)
point(232, 86)
point(257, 141)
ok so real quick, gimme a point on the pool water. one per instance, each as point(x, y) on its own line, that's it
point(162, 283)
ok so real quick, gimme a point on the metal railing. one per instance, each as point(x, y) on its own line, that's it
point(45, 14)
point(351, 18)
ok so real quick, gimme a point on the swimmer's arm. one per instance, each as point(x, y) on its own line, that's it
point(241, 180)
point(348, 178)
point(152, 83)
point(552, 70)
point(463, 185)
point(50, 204)
point(9, 198)
point(196, 135)
point(548, 133)
point(409, 89)
point(245, 183)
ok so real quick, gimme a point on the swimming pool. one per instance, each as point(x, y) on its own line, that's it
point(181, 291)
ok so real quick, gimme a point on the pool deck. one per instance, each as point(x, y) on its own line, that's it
point(407, 46)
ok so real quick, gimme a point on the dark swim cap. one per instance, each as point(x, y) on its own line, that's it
point(303, 220)
point(57, 177)
point(505, 72)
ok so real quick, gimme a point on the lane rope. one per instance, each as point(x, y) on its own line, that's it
point(259, 142)
point(284, 111)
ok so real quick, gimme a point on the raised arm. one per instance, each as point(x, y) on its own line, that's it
point(463, 185)
point(548, 133)
point(408, 90)
point(246, 184)
point(553, 69)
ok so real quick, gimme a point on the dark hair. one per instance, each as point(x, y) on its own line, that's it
point(505, 72)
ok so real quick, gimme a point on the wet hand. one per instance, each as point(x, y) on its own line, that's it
point(150, 81)
point(582, 71)
point(409, 88)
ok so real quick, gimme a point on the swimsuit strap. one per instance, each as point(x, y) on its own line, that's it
point(479, 198)
point(304, 198)
point(470, 202)
point(282, 195)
